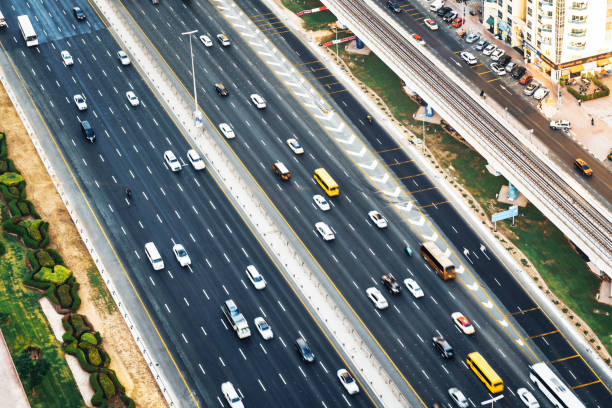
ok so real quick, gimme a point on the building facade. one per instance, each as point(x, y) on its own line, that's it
point(564, 38)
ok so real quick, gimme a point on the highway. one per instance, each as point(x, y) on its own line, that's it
point(446, 45)
point(360, 253)
point(167, 208)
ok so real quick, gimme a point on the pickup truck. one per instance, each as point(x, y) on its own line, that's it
point(559, 124)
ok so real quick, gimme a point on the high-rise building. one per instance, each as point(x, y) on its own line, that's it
point(561, 37)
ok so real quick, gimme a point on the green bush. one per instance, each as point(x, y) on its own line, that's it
point(107, 385)
point(58, 275)
point(57, 258)
point(33, 229)
point(9, 193)
point(79, 325)
point(74, 294)
point(3, 166)
point(14, 208)
point(11, 179)
point(89, 338)
point(23, 208)
point(98, 398)
point(2, 249)
point(44, 258)
point(80, 355)
point(63, 295)
point(3, 150)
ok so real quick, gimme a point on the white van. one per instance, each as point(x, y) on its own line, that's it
point(2, 20)
point(436, 5)
point(154, 257)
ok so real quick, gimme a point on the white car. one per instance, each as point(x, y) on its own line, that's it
point(295, 146)
point(527, 398)
point(457, 396)
point(227, 130)
point(377, 298)
point(510, 66)
point(258, 101)
point(231, 396)
point(223, 40)
point(497, 54)
point(67, 58)
point(431, 24)
point(172, 161)
point(347, 381)
point(206, 41)
point(414, 288)
point(181, 255)
point(469, 58)
point(462, 323)
point(378, 219)
point(132, 98)
point(489, 49)
point(255, 277)
point(195, 160)
point(123, 58)
point(540, 93)
point(325, 231)
point(80, 102)
point(263, 328)
point(498, 69)
point(321, 202)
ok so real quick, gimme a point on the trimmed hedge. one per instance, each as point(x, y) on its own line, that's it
point(49, 274)
point(604, 91)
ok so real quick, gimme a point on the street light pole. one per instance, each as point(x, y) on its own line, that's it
point(197, 116)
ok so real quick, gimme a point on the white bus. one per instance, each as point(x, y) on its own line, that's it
point(555, 390)
point(29, 35)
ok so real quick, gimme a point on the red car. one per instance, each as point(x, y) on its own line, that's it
point(525, 79)
point(458, 22)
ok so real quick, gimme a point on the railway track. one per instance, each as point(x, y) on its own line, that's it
point(550, 187)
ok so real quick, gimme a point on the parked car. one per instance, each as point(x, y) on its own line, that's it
point(531, 88)
point(488, 50)
point(518, 72)
point(504, 60)
point(472, 38)
point(497, 54)
point(499, 70)
point(560, 124)
point(450, 16)
point(510, 66)
point(443, 10)
point(481, 45)
point(526, 79)
point(540, 93)
point(458, 22)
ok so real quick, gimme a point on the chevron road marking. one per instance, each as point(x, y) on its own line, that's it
point(418, 222)
point(360, 153)
point(487, 304)
point(473, 287)
point(395, 193)
point(336, 129)
point(503, 322)
point(432, 237)
point(382, 180)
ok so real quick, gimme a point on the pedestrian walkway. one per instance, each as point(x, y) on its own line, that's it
point(595, 138)
point(11, 391)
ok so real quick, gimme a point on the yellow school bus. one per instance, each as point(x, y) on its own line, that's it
point(326, 182)
point(483, 370)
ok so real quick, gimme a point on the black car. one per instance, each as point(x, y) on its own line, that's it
point(391, 284)
point(304, 350)
point(450, 16)
point(504, 60)
point(78, 13)
point(443, 347)
point(394, 6)
point(518, 72)
point(221, 89)
point(442, 11)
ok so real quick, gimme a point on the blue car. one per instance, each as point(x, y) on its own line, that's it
point(482, 45)
point(472, 38)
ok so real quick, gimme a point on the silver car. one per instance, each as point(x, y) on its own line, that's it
point(472, 38)
point(458, 397)
point(531, 88)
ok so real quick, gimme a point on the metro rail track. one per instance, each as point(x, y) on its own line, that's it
point(534, 171)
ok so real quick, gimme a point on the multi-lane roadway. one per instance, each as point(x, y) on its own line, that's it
point(167, 208)
point(361, 253)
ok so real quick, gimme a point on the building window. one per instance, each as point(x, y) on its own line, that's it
point(509, 20)
point(529, 12)
point(528, 37)
point(500, 2)
point(578, 5)
point(578, 19)
point(509, 9)
point(499, 14)
point(529, 24)
point(578, 32)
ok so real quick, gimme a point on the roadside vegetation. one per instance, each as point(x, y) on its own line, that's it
point(43, 270)
point(559, 265)
point(38, 356)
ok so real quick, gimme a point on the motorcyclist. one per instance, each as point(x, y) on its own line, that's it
point(369, 118)
point(128, 193)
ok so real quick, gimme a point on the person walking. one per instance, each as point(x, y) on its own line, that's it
point(579, 102)
point(592, 121)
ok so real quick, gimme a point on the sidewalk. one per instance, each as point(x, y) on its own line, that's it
point(597, 138)
point(11, 391)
